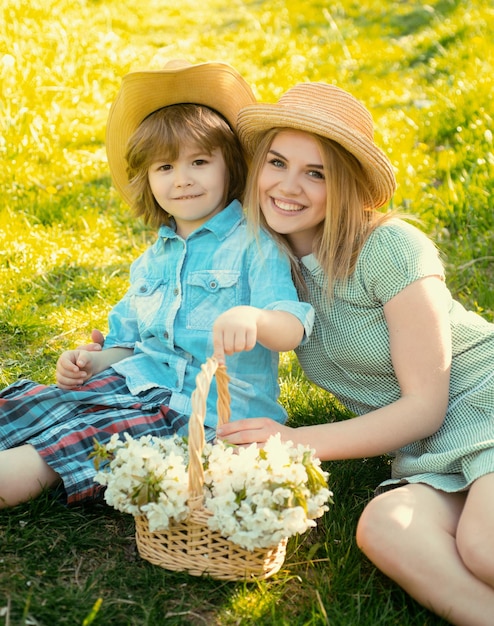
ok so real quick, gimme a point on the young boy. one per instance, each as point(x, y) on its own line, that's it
point(204, 287)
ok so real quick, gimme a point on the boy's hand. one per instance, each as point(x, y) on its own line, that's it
point(74, 367)
point(98, 342)
point(235, 330)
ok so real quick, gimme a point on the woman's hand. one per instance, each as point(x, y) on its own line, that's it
point(253, 430)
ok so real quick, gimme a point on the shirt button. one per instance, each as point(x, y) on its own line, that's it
point(176, 292)
point(213, 284)
point(166, 335)
point(143, 289)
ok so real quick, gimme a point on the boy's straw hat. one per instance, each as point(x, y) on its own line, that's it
point(215, 85)
point(328, 111)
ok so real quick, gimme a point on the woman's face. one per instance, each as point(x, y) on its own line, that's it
point(292, 189)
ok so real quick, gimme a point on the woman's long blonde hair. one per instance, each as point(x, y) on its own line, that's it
point(347, 225)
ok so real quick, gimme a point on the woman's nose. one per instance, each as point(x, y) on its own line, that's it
point(289, 183)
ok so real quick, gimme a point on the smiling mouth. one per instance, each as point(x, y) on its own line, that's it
point(190, 197)
point(288, 207)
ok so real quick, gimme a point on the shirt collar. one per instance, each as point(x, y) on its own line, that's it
point(221, 224)
point(311, 264)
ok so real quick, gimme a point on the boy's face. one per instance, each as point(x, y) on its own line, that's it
point(192, 189)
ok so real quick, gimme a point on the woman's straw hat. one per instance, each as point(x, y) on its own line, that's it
point(328, 111)
point(215, 85)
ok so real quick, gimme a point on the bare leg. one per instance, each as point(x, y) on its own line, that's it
point(410, 534)
point(23, 475)
point(475, 533)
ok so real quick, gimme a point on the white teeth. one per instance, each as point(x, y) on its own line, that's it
point(286, 206)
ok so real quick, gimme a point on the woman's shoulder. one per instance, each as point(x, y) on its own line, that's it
point(395, 254)
point(398, 237)
point(401, 228)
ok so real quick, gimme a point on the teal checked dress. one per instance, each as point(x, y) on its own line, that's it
point(348, 355)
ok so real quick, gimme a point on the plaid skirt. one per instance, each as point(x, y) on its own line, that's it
point(63, 425)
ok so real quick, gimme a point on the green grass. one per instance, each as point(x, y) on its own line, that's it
point(66, 241)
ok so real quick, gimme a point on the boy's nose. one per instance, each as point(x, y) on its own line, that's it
point(182, 178)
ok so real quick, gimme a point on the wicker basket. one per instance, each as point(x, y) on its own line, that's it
point(191, 546)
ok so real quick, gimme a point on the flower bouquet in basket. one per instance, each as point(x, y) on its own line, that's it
point(213, 508)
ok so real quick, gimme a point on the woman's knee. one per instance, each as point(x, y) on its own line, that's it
point(394, 520)
point(474, 537)
point(381, 520)
point(477, 553)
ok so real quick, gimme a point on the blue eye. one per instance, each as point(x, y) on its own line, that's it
point(316, 174)
point(276, 162)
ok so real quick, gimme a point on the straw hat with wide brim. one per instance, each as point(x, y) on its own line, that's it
point(215, 85)
point(328, 111)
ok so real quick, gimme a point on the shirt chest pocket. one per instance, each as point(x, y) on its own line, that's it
point(210, 293)
point(147, 298)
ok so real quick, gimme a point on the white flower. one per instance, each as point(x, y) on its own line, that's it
point(145, 476)
point(256, 496)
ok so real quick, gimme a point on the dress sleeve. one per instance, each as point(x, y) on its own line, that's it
point(396, 255)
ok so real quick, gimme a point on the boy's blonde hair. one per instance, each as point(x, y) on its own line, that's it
point(347, 224)
point(160, 136)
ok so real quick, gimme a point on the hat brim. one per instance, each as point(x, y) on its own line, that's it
point(215, 85)
point(255, 120)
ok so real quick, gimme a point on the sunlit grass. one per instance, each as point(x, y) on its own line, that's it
point(425, 70)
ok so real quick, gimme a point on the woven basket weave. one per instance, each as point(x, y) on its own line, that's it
point(191, 545)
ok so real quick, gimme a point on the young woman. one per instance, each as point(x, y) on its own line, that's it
point(389, 342)
point(201, 289)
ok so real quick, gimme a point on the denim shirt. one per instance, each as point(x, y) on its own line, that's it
point(177, 290)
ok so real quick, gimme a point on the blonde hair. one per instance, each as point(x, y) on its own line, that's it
point(347, 224)
point(159, 137)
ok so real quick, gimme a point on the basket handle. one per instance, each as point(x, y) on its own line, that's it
point(196, 423)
